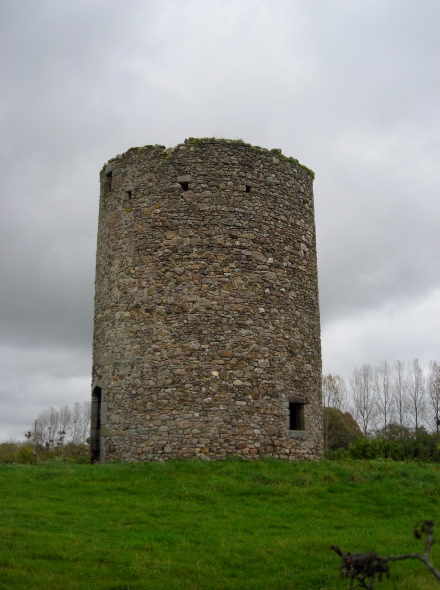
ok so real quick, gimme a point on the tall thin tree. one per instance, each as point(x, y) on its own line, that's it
point(362, 384)
point(434, 394)
point(400, 392)
point(416, 392)
point(334, 392)
point(383, 393)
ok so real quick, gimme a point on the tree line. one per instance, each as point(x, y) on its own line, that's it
point(389, 402)
point(399, 393)
point(59, 435)
point(56, 427)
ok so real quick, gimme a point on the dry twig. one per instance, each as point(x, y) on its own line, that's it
point(364, 569)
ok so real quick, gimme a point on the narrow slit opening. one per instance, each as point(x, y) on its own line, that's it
point(248, 188)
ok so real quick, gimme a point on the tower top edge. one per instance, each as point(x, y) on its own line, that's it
point(192, 142)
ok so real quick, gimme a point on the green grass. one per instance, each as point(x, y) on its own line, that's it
point(225, 525)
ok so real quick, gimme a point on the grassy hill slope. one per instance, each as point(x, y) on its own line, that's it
point(225, 525)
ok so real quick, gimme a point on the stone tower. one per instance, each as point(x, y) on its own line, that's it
point(207, 334)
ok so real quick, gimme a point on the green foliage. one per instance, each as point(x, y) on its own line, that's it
point(281, 156)
point(25, 454)
point(367, 448)
point(197, 140)
point(336, 454)
point(402, 444)
point(9, 453)
point(227, 525)
point(12, 452)
point(395, 432)
point(77, 453)
point(340, 429)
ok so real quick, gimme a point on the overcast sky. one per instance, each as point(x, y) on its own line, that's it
point(349, 87)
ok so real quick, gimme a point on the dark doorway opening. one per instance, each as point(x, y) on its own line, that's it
point(95, 428)
point(296, 416)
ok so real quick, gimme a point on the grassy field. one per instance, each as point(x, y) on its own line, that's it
point(225, 525)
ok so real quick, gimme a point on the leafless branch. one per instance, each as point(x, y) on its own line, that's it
point(364, 569)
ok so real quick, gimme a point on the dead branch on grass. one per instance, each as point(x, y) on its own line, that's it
point(364, 569)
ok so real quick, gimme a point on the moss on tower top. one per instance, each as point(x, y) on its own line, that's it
point(276, 151)
point(192, 141)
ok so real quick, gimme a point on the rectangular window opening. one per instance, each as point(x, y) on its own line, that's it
point(128, 193)
point(296, 416)
point(184, 185)
point(248, 188)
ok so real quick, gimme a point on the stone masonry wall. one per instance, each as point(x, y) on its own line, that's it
point(206, 307)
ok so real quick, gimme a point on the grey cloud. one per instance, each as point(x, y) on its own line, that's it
point(350, 89)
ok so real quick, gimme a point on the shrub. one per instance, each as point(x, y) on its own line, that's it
point(402, 445)
point(336, 454)
point(366, 448)
point(77, 453)
point(25, 454)
point(17, 452)
point(340, 430)
point(8, 452)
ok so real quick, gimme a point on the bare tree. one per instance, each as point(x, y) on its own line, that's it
point(383, 393)
point(66, 422)
point(334, 392)
point(84, 430)
point(416, 392)
point(72, 421)
point(434, 393)
point(76, 420)
point(400, 392)
point(362, 384)
point(48, 422)
point(334, 395)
